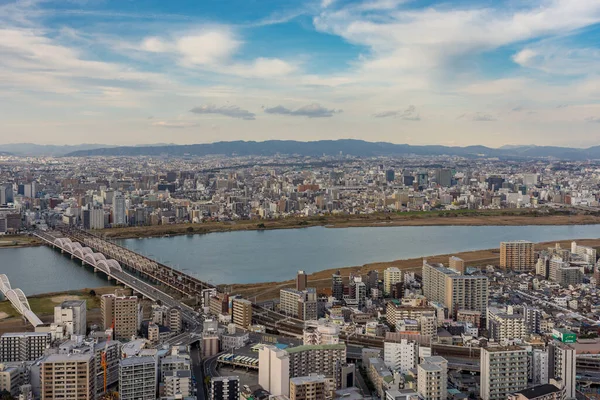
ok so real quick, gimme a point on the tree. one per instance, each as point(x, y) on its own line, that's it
point(92, 293)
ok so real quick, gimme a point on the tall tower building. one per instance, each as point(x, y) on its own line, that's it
point(121, 311)
point(301, 281)
point(517, 256)
point(68, 377)
point(119, 209)
point(241, 313)
point(274, 370)
point(503, 371)
point(337, 286)
point(391, 276)
point(561, 361)
point(401, 356)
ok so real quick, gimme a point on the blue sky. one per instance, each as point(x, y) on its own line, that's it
point(406, 71)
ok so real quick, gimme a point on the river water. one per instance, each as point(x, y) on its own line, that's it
point(260, 256)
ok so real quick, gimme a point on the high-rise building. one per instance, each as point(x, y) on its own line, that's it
point(322, 359)
point(562, 366)
point(457, 264)
point(175, 320)
point(6, 194)
point(96, 218)
point(68, 377)
point(517, 256)
point(337, 286)
point(72, 314)
point(301, 281)
point(122, 312)
point(23, 346)
point(539, 367)
point(111, 352)
point(391, 276)
point(318, 332)
point(443, 177)
point(390, 175)
point(274, 370)
point(118, 206)
point(503, 371)
point(432, 378)
point(11, 378)
point(241, 312)
point(225, 388)
point(308, 388)
point(137, 378)
point(453, 290)
point(401, 356)
point(533, 319)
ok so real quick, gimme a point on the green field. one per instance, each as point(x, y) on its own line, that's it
point(44, 305)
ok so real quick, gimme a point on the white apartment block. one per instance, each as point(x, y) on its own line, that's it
point(401, 356)
point(274, 370)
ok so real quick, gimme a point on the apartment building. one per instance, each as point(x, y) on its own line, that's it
point(308, 388)
point(123, 312)
point(241, 313)
point(504, 370)
point(178, 383)
point(391, 276)
point(517, 256)
point(504, 324)
point(540, 392)
point(453, 290)
point(325, 359)
point(299, 304)
point(274, 370)
point(225, 388)
point(137, 378)
point(562, 366)
point(432, 378)
point(396, 311)
point(23, 346)
point(457, 264)
point(68, 377)
point(401, 356)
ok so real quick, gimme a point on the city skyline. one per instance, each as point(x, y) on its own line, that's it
point(417, 72)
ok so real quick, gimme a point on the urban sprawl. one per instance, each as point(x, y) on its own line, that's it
point(526, 328)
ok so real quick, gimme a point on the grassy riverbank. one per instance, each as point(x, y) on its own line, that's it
point(322, 279)
point(509, 217)
point(43, 306)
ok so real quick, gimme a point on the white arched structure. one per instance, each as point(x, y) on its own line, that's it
point(82, 252)
point(107, 266)
point(18, 300)
point(93, 258)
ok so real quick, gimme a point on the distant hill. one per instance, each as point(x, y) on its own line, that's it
point(335, 147)
point(31, 149)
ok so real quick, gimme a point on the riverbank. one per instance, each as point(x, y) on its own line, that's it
point(43, 306)
point(322, 280)
point(509, 217)
point(13, 241)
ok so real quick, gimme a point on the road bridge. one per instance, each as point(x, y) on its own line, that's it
point(113, 270)
point(19, 301)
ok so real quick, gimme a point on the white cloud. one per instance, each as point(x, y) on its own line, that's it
point(207, 48)
point(559, 58)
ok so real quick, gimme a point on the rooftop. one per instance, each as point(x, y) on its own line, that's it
point(131, 361)
point(537, 391)
point(298, 349)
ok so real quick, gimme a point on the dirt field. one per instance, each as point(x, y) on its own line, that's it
point(11, 241)
point(322, 279)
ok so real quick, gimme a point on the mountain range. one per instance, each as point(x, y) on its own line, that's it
point(336, 147)
point(31, 149)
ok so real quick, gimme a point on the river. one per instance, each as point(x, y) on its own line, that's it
point(275, 255)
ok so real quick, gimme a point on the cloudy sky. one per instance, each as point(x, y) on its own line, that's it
point(455, 72)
